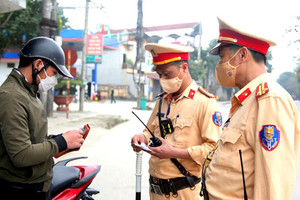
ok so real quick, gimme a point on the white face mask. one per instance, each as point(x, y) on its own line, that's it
point(47, 83)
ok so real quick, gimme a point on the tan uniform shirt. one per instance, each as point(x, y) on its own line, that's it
point(196, 120)
point(264, 125)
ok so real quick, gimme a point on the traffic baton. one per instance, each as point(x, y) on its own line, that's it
point(138, 175)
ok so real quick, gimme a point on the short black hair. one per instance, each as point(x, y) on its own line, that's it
point(257, 56)
point(25, 61)
point(178, 63)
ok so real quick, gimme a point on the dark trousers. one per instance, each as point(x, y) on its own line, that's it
point(16, 193)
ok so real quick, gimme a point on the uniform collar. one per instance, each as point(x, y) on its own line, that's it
point(243, 94)
point(189, 92)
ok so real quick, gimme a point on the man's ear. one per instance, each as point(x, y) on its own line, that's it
point(185, 67)
point(244, 55)
point(38, 64)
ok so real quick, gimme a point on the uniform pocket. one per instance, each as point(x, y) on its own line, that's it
point(182, 122)
point(182, 130)
point(231, 141)
point(230, 135)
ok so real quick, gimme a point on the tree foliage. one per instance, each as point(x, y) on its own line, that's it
point(197, 69)
point(268, 65)
point(20, 26)
point(293, 31)
point(288, 80)
point(15, 26)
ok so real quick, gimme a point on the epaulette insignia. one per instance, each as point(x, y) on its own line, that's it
point(262, 89)
point(191, 93)
point(206, 93)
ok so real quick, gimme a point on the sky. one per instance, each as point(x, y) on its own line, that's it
point(267, 18)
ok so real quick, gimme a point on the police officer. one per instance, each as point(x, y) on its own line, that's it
point(191, 119)
point(263, 125)
point(25, 149)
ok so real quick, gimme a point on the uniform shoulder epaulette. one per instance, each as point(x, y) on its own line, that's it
point(262, 89)
point(206, 93)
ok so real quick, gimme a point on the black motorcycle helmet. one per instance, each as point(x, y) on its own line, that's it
point(47, 49)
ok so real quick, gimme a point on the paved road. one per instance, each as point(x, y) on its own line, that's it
point(111, 147)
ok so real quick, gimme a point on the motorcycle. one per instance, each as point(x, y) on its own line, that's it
point(71, 182)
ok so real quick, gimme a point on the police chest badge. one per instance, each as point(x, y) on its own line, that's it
point(217, 118)
point(269, 137)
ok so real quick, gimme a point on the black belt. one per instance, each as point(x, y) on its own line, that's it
point(165, 186)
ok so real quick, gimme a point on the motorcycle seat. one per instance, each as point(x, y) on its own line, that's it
point(63, 177)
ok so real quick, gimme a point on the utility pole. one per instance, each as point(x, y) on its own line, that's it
point(48, 29)
point(46, 16)
point(139, 53)
point(53, 29)
point(83, 66)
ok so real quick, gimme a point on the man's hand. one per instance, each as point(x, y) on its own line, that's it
point(73, 138)
point(138, 139)
point(166, 150)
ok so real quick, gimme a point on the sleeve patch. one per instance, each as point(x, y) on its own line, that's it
point(217, 118)
point(269, 137)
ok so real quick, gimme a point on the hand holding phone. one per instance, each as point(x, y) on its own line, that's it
point(85, 130)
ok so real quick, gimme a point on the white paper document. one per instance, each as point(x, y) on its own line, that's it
point(143, 146)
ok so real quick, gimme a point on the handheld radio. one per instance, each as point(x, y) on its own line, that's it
point(155, 142)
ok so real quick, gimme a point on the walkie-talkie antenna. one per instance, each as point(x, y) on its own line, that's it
point(144, 125)
point(155, 141)
point(244, 184)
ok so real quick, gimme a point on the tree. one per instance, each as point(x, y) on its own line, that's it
point(298, 70)
point(293, 31)
point(268, 65)
point(197, 70)
point(288, 80)
point(62, 21)
point(18, 26)
point(205, 69)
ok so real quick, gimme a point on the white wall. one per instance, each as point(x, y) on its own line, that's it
point(5, 71)
point(110, 71)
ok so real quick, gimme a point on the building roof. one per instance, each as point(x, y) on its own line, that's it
point(158, 28)
point(10, 56)
point(72, 35)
